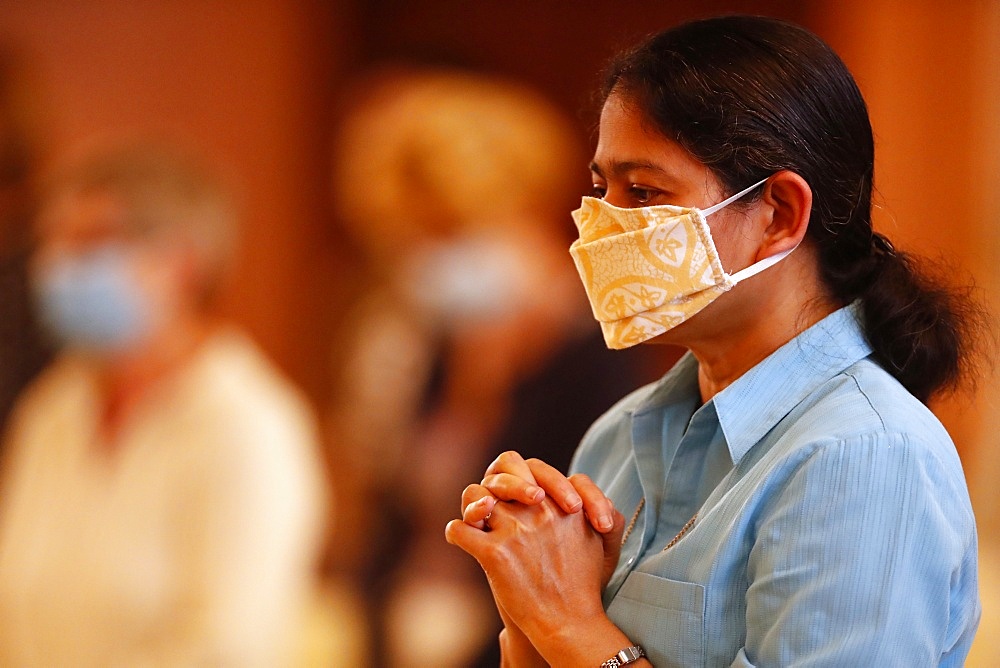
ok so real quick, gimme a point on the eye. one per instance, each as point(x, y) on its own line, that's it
point(599, 191)
point(641, 196)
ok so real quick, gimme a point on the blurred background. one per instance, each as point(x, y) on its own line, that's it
point(330, 119)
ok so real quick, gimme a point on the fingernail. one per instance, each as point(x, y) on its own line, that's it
point(535, 493)
point(604, 522)
point(574, 502)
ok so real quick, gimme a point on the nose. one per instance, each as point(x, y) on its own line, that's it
point(617, 197)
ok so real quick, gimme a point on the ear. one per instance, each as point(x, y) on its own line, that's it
point(788, 200)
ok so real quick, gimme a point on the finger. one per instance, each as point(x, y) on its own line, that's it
point(513, 463)
point(477, 504)
point(509, 487)
point(476, 513)
point(598, 507)
point(473, 493)
point(473, 541)
point(556, 485)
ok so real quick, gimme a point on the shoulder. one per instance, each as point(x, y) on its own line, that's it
point(59, 393)
point(236, 379)
point(66, 373)
point(257, 423)
point(864, 403)
point(864, 432)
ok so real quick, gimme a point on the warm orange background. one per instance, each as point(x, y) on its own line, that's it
point(256, 84)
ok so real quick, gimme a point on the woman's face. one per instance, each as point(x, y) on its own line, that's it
point(635, 166)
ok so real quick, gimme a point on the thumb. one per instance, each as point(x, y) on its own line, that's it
point(613, 538)
point(612, 546)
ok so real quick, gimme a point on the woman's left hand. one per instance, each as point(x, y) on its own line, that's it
point(547, 568)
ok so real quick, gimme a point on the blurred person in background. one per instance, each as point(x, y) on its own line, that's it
point(23, 348)
point(469, 336)
point(161, 496)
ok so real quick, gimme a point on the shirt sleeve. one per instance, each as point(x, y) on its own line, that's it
point(866, 556)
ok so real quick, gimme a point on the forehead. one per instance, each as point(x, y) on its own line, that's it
point(629, 142)
point(78, 215)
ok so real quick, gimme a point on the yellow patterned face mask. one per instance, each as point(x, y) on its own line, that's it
point(649, 269)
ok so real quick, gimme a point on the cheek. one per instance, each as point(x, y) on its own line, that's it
point(734, 240)
point(155, 276)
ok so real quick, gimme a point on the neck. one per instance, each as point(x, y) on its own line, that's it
point(759, 318)
point(127, 379)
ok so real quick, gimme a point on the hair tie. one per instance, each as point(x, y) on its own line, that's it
point(881, 247)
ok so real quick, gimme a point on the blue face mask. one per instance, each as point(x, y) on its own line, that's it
point(90, 301)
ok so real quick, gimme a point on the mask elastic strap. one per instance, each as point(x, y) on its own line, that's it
point(758, 267)
point(726, 202)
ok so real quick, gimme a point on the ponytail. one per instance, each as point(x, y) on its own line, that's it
point(919, 328)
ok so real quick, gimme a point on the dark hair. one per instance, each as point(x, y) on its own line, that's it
point(749, 96)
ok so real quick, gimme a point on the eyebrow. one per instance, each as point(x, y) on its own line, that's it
point(619, 168)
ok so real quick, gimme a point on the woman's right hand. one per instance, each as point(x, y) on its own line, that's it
point(562, 564)
point(512, 478)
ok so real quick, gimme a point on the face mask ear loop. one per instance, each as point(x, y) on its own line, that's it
point(758, 267)
point(726, 202)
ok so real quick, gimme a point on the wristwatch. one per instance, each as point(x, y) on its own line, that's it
point(624, 657)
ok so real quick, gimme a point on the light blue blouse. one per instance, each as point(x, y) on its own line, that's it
point(832, 520)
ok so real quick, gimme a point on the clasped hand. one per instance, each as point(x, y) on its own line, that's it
point(547, 543)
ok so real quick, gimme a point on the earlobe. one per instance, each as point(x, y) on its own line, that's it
point(790, 200)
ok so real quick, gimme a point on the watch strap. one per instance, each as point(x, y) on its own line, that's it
point(624, 657)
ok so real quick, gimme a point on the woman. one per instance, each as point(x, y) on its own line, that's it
point(787, 496)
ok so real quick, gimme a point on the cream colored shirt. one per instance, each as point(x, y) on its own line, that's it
point(190, 545)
